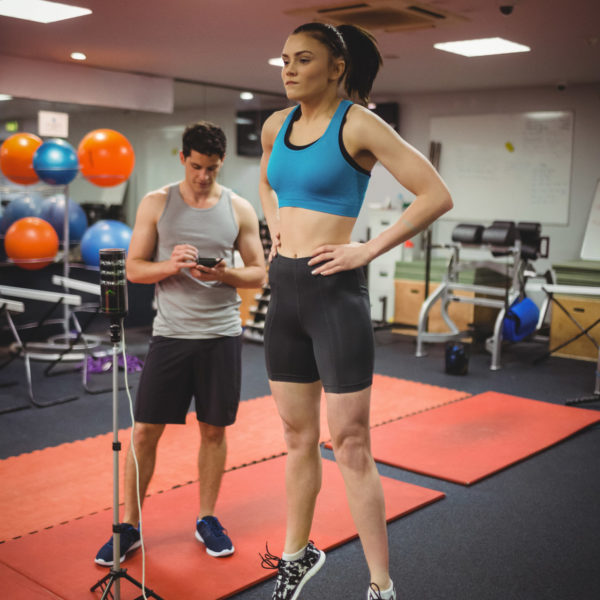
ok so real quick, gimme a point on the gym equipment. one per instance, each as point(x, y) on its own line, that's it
point(457, 359)
point(28, 205)
point(576, 290)
point(77, 346)
point(7, 307)
point(113, 284)
point(53, 211)
point(25, 350)
point(520, 320)
point(55, 162)
point(31, 243)
point(103, 234)
point(106, 157)
point(16, 158)
point(518, 244)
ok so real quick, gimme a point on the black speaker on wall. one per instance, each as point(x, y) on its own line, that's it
point(389, 112)
point(248, 128)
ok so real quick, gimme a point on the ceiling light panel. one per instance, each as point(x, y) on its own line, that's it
point(40, 11)
point(482, 47)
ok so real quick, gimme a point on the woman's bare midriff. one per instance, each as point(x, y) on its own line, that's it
point(303, 230)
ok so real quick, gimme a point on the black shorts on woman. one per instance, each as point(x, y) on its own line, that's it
point(318, 327)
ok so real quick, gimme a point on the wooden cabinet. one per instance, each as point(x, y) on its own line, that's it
point(409, 298)
point(585, 311)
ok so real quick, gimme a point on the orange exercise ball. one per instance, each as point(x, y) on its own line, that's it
point(31, 243)
point(106, 157)
point(16, 157)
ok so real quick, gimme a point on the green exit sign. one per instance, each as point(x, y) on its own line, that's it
point(11, 126)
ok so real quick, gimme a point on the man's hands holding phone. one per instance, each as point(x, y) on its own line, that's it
point(208, 268)
point(185, 256)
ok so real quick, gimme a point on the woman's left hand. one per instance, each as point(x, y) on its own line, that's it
point(332, 258)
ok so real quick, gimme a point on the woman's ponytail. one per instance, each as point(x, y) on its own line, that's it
point(363, 61)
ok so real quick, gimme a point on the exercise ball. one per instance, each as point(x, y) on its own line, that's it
point(55, 162)
point(103, 234)
point(106, 157)
point(31, 243)
point(16, 158)
point(53, 211)
point(22, 205)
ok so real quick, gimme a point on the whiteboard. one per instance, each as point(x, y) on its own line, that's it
point(590, 249)
point(507, 166)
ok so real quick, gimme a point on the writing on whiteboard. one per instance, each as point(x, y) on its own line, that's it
point(507, 166)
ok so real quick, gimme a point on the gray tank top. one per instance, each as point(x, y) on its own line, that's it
point(188, 308)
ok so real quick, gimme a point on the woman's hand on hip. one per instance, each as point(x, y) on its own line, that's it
point(333, 258)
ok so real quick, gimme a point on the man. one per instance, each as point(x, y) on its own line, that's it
point(195, 348)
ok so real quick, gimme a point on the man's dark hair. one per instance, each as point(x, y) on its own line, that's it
point(205, 138)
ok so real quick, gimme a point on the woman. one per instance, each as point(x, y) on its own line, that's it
point(315, 168)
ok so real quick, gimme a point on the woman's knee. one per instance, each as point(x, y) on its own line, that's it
point(301, 437)
point(352, 449)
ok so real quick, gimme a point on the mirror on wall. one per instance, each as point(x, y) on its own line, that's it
point(156, 140)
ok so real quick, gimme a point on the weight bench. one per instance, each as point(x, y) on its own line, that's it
point(25, 349)
point(518, 244)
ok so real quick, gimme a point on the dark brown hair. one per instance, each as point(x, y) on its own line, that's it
point(357, 47)
point(205, 138)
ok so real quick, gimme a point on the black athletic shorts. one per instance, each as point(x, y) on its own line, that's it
point(177, 369)
point(318, 327)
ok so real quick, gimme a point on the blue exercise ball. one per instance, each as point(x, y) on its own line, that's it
point(56, 162)
point(53, 211)
point(21, 206)
point(103, 234)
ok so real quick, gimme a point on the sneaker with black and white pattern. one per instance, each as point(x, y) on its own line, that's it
point(293, 574)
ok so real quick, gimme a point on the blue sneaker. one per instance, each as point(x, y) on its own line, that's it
point(129, 540)
point(211, 533)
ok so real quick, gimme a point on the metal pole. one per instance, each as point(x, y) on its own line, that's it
point(66, 265)
point(116, 448)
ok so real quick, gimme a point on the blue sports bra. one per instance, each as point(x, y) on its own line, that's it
point(320, 176)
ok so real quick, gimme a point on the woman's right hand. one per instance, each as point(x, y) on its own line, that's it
point(275, 243)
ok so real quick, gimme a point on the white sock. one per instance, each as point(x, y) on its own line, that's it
point(389, 593)
point(295, 556)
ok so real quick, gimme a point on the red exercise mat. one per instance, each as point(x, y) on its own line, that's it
point(468, 440)
point(47, 487)
point(251, 507)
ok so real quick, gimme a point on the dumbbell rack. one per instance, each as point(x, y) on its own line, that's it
point(255, 325)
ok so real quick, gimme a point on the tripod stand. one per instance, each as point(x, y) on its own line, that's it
point(117, 573)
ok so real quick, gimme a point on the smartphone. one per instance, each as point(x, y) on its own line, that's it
point(208, 262)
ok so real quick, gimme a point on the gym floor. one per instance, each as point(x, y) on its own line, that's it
point(529, 532)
